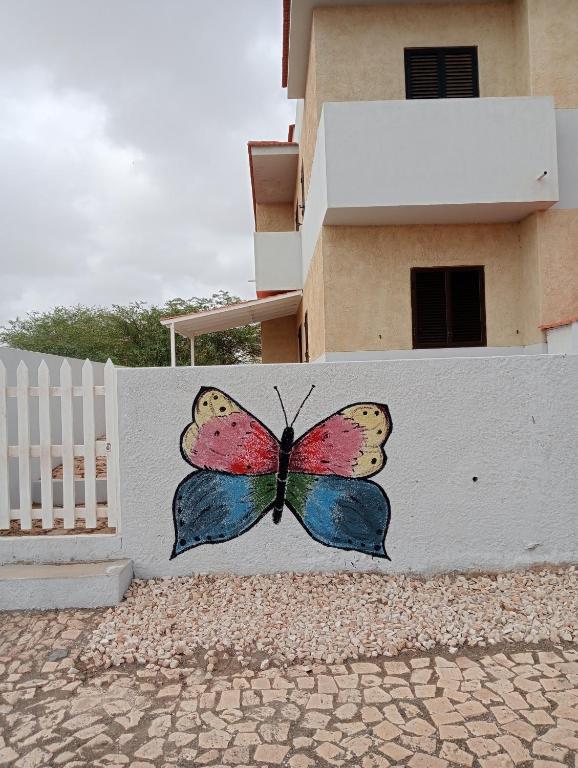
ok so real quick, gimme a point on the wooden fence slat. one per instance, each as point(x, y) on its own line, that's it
point(45, 445)
point(4, 464)
point(24, 476)
point(112, 467)
point(67, 445)
point(89, 435)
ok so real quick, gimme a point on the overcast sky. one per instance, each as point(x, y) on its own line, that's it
point(123, 160)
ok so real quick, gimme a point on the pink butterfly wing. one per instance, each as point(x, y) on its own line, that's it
point(348, 443)
point(225, 437)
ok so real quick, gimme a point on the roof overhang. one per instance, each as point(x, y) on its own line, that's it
point(235, 315)
point(297, 19)
point(273, 167)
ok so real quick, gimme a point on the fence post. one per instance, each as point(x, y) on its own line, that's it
point(4, 465)
point(88, 428)
point(24, 476)
point(112, 447)
point(45, 446)
point(68, 502)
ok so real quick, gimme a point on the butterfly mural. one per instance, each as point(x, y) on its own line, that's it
point(244, 472)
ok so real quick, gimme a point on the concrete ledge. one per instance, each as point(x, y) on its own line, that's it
point(70, 585)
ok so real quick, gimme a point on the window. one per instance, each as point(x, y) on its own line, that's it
point(306, 330)
point(441, 73)
point(448, 307)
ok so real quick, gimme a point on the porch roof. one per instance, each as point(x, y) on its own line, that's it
point(235, 315)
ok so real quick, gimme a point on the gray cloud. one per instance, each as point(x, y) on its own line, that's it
point(123, 162)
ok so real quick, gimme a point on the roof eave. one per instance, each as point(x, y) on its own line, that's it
point(251, 145)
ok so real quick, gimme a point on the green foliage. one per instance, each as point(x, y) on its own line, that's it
point(131, 335)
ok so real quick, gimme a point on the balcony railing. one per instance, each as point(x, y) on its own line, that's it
point(278, 261)
point(438, 161)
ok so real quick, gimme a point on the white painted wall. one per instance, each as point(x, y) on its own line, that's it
point(396, 160)
point(508, 421)
point(278, 261)
point(563, 340)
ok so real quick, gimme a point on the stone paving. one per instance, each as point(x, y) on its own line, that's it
point(492, 709)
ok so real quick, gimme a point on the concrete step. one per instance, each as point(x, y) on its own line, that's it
point(67, 585)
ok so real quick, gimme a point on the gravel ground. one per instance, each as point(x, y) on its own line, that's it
point(289, 618)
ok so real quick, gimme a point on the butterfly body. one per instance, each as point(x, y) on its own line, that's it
point(244, 472)
point(285, 448)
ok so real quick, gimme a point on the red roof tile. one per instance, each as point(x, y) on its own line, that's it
point(559, 323)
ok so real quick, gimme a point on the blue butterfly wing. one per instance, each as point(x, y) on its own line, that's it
point(212, 507)
point(341, 512)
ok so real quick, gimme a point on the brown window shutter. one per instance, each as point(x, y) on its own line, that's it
point(422, 75)
point(429, 302)
point(465, 286)
point(441, 73)
point(448, 307)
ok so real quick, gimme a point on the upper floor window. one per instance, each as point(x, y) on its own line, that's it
point(441, 73)
point(448, 307)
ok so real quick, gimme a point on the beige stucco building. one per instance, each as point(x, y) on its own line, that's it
point(426, 200)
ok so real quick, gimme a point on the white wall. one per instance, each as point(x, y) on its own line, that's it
point(508, 421)
point(567, 130)
point(398, 160)
point(278, 261)
point(563, 340)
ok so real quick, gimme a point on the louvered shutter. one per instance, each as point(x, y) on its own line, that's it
point(460, 66)
point(466, 322)
point(429, 308)
point(422, 75)
point(441, 73)
point(448, 307)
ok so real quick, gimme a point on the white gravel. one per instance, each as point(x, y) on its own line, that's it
point(289, 618)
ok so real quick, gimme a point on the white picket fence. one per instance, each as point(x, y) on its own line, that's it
point(51, 455)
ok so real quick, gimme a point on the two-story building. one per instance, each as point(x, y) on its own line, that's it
point(426, 200)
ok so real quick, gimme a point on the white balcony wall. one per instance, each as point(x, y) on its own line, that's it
point(567, 126)
point(278, 261)
point(439, 161)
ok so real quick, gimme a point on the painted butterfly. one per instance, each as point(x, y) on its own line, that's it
point(244, 472)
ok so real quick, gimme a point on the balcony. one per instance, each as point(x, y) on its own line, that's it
point(442, 161)
point(278, 261)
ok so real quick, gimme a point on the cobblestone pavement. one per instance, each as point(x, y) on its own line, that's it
point(512, 708)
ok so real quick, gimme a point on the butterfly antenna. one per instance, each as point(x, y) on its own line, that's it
point(302, 404)
point(282, 406)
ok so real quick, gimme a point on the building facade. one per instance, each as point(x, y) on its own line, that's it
point(426, 201)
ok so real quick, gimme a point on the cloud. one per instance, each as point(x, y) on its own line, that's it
point(123, 163)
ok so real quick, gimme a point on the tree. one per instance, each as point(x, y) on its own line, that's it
point(131, 335)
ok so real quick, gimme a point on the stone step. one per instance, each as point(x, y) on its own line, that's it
point(67, 585)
